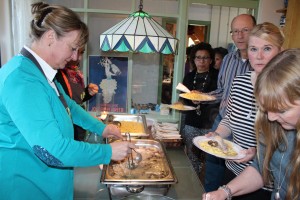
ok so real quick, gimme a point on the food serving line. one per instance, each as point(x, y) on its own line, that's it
point(163, 173)
point(152, 171)
point(87, 181)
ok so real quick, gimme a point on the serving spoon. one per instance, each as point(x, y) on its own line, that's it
point(138, 157)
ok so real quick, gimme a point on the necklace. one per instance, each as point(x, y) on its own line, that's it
point(277, 194)
point(200, 76)
point(254, 108)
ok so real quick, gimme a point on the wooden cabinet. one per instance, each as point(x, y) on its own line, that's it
point(292, 25)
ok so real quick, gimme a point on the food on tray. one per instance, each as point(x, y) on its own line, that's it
point(197, 96)
point(178, 105)
point(131, 127)
point(214, 147)
point(152, 166)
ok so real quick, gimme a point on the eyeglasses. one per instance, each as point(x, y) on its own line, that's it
point(205, 58)
point(243, 31)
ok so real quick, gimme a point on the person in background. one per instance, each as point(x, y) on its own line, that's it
point(202, 79)
point(71, 79)
point(265, 42)
point(38, 150)
point(277, 93)
point(233, 64)
point(220, 53)
point(188, 66)
point(187, 69)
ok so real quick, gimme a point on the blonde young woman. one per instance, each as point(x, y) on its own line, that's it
point(278, 133)
point(265, 42)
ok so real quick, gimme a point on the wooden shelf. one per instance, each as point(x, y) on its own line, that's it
point(292, 25)
point(283, 10)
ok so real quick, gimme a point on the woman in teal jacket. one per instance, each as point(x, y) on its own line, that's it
point(37, 149)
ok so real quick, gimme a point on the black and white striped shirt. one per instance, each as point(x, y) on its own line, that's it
point(240, 117)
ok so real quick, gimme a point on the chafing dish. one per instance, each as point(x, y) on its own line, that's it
point(140, 126)
point(154, 174)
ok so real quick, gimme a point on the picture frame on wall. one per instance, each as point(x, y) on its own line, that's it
point(110, 74)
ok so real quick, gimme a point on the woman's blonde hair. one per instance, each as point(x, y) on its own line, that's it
point(58, 18)
point(269, 32)
point(278, 86)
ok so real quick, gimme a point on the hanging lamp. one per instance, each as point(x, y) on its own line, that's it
point(138, 33)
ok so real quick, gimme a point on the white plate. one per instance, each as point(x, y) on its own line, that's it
point(235, 147)
point(184, 108)
point(197, 97)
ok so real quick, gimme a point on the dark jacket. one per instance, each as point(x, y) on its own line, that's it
point(79, 95)
point(208, 111)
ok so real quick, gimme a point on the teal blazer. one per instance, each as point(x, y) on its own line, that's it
point(37, 149)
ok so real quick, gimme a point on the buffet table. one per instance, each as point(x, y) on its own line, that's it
point(87, 180)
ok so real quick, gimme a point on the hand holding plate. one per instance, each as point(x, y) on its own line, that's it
point(250, 154)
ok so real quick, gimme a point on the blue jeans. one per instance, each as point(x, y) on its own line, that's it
point(214, 166)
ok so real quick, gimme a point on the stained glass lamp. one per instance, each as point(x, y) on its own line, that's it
point(138, 33)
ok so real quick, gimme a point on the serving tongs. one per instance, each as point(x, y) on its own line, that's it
point(138, 158)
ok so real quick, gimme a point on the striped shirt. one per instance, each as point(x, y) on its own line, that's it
point(240, 117)
point(232, 66)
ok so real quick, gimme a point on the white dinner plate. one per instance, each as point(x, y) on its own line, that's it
point(184, 108)
point(239, 150)
point(197, 96)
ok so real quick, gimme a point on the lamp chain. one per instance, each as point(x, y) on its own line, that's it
point(141, 5)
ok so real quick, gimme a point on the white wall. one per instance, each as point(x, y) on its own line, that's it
point(200, 12)
point(266, 11)
point(220, 24)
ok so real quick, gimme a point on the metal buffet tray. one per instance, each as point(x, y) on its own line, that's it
point(131, 183)
point(118, 118)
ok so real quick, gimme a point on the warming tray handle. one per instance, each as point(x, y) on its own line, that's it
point(135, 188)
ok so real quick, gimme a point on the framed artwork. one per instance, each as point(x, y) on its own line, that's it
point(110, 74)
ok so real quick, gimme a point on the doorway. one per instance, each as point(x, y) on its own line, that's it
point(196, 32)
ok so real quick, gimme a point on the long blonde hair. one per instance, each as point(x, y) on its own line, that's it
point(277, 86)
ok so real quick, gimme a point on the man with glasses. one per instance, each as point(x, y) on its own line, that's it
point(235, 63)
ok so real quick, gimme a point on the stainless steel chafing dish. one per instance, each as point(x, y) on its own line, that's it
point(117, 119)
point(154, 174)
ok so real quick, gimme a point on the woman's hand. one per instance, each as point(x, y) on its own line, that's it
point(112, 130)
point(121, 149)
point(93, 89)
point(215, 195)
point(211, 134)
point(250, 154)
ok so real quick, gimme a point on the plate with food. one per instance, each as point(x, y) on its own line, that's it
point(197, 96)
point(219, 147)
point(180, 106)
